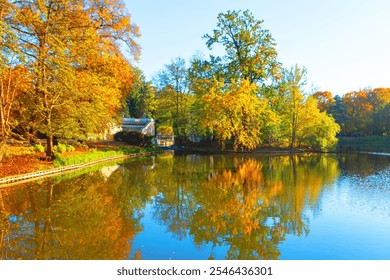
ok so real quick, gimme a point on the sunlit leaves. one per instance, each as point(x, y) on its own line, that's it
point(233, 112)
point(250, 49)
point(74, 50)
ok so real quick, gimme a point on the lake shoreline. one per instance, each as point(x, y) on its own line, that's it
point(39, 165)
point(258, 151)
point(49, 172)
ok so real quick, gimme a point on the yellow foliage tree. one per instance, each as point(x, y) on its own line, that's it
point(234, 112)
point(65, 41)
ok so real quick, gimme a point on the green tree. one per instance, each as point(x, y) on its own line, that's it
point(140, 101)
point(173, 98)
point(292, 87)
point(250, 49)
point(303, 124)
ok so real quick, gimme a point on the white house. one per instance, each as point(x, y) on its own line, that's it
point(145, 126)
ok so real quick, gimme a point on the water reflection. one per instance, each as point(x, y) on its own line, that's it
point(85, 217)
point(248, 205)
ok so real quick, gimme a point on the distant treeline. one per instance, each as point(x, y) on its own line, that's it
point(359, 113)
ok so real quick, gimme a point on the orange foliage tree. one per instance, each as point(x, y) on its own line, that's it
point(14, 78)
point(74, 50)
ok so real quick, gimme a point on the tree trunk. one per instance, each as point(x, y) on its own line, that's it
point(49, 147)
point(2, 150)
point(293, 132)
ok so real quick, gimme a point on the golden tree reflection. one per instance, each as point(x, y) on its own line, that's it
point(247, 204)
point(86, 217)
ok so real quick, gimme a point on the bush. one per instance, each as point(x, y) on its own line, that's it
point(61, 148)
point(82, 145)
point(134, 138)
point(70, 148)
point(39, 148)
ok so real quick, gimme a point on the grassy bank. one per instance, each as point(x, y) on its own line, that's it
point(98, 154)
point(21, 159)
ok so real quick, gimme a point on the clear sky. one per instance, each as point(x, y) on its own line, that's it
point(344, 44)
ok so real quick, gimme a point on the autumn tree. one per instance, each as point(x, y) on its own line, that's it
point(249, 61)
point(234, 113)
point(325, 100)
point(14, 77)
point(316, 130)
point(380, 100)
point(292, 88)
point(359, 113)
point(73, 46)
point(250, 49)
point(302, 123)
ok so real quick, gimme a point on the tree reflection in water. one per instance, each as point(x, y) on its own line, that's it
point(247, 204)
point(85, 217)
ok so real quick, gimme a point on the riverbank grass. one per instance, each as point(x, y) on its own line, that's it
point(94, 154)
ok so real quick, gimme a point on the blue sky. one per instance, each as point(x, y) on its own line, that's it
point(345, 45)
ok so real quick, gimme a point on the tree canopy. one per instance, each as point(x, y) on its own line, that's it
point(73, 50)
point(66, 71)
point(250, 49)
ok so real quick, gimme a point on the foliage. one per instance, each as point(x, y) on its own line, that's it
point(14, 76)
point(39, 148)
point(361, 113)
point(61, 148)
point(233, 113)
point(97, 154)
point(317, 129)
point(73, 51)
point(173, 99)
point(302, 124)
point(134, 138)
point(165, 130)
point(250, 49)
point(325, 100)
point(70, 148)
point(140, 101)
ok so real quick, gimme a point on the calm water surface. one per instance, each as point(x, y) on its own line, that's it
point(205, 207)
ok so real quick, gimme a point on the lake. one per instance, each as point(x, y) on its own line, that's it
point(193, 206)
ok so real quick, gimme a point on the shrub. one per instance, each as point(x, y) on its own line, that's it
point(134, 138)
point(70, 148)
point(39, 148)
point(61, 148)
point(82, 145)
point(119, 136)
